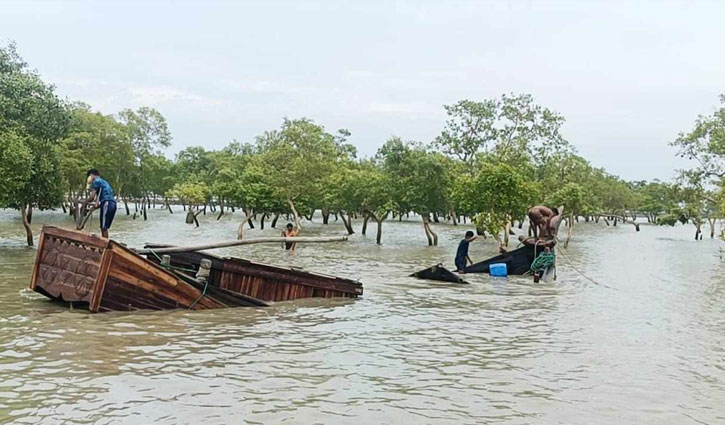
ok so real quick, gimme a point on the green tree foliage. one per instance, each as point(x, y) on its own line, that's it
point(499, 194)
point(705, 143)
point(32, 120)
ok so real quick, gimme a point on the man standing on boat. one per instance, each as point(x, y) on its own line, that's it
point(102, 194)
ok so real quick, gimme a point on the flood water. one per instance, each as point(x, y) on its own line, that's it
point(642, 343)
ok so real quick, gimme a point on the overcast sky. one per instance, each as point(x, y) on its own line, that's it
point(627, 76)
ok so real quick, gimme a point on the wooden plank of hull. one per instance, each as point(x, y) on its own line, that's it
point(267, 282)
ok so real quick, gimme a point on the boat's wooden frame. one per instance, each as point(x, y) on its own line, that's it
point(264, 281)
point(104, 275)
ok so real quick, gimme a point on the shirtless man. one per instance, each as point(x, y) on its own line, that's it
point(547, 225)
point(538, 216)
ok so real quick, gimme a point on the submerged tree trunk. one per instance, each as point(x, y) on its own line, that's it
point(325, 216)
point(274, 220)
point(365, 224)
point(261, 221)
point(429, 233)
point(506, 230)
point(168, 206)
point(698, 230)
point(26, 224)
point(221, 208)
point(570, 221)
point(240, 229)
point(712, 227)
point(125, 204)
point(379, 234)
point(347, 222)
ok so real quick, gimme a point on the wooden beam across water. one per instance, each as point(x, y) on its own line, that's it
point(236, 242)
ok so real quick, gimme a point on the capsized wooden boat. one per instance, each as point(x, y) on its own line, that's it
point(264, 281)
point(103, 275)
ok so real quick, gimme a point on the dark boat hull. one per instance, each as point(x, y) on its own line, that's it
point(518, 261)
point(439, 273)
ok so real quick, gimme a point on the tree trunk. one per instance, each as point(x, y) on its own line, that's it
point(26, 224)
point(379, 235)
point(435, 218)
point(221, 208)
point(712, 227)
point(189, 216)
point(295, 214)
point(347, 222)
point(697, 231)
point(168, 206)
point(365, 224)
point(274, 220)
point(429, 233)
point(240, 229)
point(29, 214)
point(125, 204)
point(325, 216)
point(454, 217)
point(506, 230)
point(568, 233)
point(261, 221)
point(144, 207)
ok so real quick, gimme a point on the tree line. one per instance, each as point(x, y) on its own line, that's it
point(492, 160)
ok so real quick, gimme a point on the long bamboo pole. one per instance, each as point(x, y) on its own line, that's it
point(225, 244)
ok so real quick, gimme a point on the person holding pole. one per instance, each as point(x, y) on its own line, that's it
point(102, 194)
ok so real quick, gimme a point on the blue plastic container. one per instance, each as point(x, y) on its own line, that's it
point(498, 270)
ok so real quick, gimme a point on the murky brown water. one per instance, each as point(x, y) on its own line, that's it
point(646, 346)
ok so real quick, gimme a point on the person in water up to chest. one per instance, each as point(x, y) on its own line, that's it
point(102, 194)
point(290, 232)
point(462, 258)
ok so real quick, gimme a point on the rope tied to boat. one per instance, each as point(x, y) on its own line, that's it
point(543, 262)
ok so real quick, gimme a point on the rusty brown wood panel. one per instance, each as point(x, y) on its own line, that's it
point(280, 276)
point(88, 240)
point(100, 283)
point(154, 282)
point(66, 270)
point(120, 296)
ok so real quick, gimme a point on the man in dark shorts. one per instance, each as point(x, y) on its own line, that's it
point(102, 193)
point(462, 257)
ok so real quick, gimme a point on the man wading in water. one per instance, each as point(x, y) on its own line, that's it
point(289, 232)
point(462, 257)
point(102, 193)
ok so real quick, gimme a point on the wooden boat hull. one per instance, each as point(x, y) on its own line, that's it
point(265, 281)
point(104, 275)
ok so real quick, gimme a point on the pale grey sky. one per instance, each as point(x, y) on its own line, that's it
point(628, 76)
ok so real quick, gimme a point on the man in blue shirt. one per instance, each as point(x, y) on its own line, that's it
point(462, 257)
point(102, 193)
